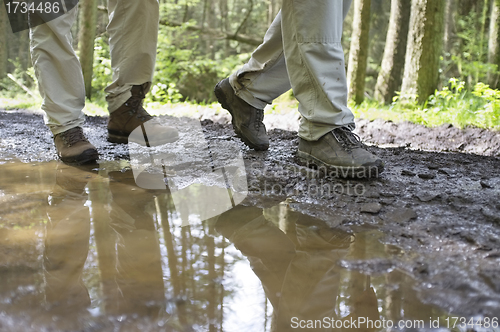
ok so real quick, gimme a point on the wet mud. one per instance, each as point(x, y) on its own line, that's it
point(85, 248)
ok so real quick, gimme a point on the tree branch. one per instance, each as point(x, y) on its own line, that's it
point(216, 33)
point(212, 32)
point(245, 19)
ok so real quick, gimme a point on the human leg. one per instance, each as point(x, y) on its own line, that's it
point(264, 77)
point(59, 74)
point(133, 36)
point(312, 33)
point(60, 82)
point(256, 84)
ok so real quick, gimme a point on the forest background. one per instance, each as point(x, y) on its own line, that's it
point(426, 61)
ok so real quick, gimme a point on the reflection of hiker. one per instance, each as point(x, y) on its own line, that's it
point(298, 270)
point(302, 50)
point(127, 248)
point(133, 32)
point(66, 245)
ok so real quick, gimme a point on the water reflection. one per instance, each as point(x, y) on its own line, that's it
point(85, 248)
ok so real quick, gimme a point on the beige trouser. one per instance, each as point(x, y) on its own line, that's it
point(302, 50)
point(133, 34)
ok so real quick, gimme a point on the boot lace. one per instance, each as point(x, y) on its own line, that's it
point(259, 117)
point(135, 104)
point(347, 138)
point(73, 136)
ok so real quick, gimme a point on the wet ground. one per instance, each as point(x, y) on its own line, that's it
point(87, 249)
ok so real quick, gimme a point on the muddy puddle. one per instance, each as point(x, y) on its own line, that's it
point(86, 249)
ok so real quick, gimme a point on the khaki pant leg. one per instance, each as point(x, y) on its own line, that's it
point(264, 77)
point(133, 36)
point(312, 32)
point(59, 73)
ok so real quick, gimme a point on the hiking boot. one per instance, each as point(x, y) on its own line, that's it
point(341, 154)
point(246, 119)
point(131, 115)
point(74, 148)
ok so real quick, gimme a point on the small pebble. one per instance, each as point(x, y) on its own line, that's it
point(407, 172)
point(427, 176)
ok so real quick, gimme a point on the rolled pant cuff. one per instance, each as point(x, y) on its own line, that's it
point(245, 95)
point(315, 132)
point(60, 128)
point(115, 102)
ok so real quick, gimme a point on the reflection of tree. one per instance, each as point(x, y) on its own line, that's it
point(196, 263)
point(178, 286)
point(294, 256)
point(362, 300)
point(126, 222)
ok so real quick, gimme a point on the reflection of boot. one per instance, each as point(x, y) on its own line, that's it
point(267, 248)
point(313, 238)
point(74, 178)
point(300, 282)
point(130, 203)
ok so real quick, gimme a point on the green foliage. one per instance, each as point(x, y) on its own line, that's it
point(27, 77)
point(453, 104)
point(102, 74)
point(471, 54)
point(184, 74)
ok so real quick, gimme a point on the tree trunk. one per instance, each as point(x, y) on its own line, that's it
point(450, 38)
point(24, 55)
point(88, 22)
point(421, 73)
point(3, 41)
point(358, 52)
point(494, 46)
point(449, 25)
point(390, 75)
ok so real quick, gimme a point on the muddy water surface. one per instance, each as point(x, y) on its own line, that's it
point(85, 249)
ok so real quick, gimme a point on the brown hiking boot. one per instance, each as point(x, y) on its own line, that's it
point(246, 119)
point(131, 115)
point(341, 154)
point(74, 148)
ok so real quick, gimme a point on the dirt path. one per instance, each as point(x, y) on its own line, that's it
point(441, 206)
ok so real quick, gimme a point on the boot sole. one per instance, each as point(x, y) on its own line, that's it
point(358, 172)
point(221, 97)
point(87, 156)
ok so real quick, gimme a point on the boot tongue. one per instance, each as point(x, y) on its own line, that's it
point(140, 90)
point(138, 95)
point(137, 91)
